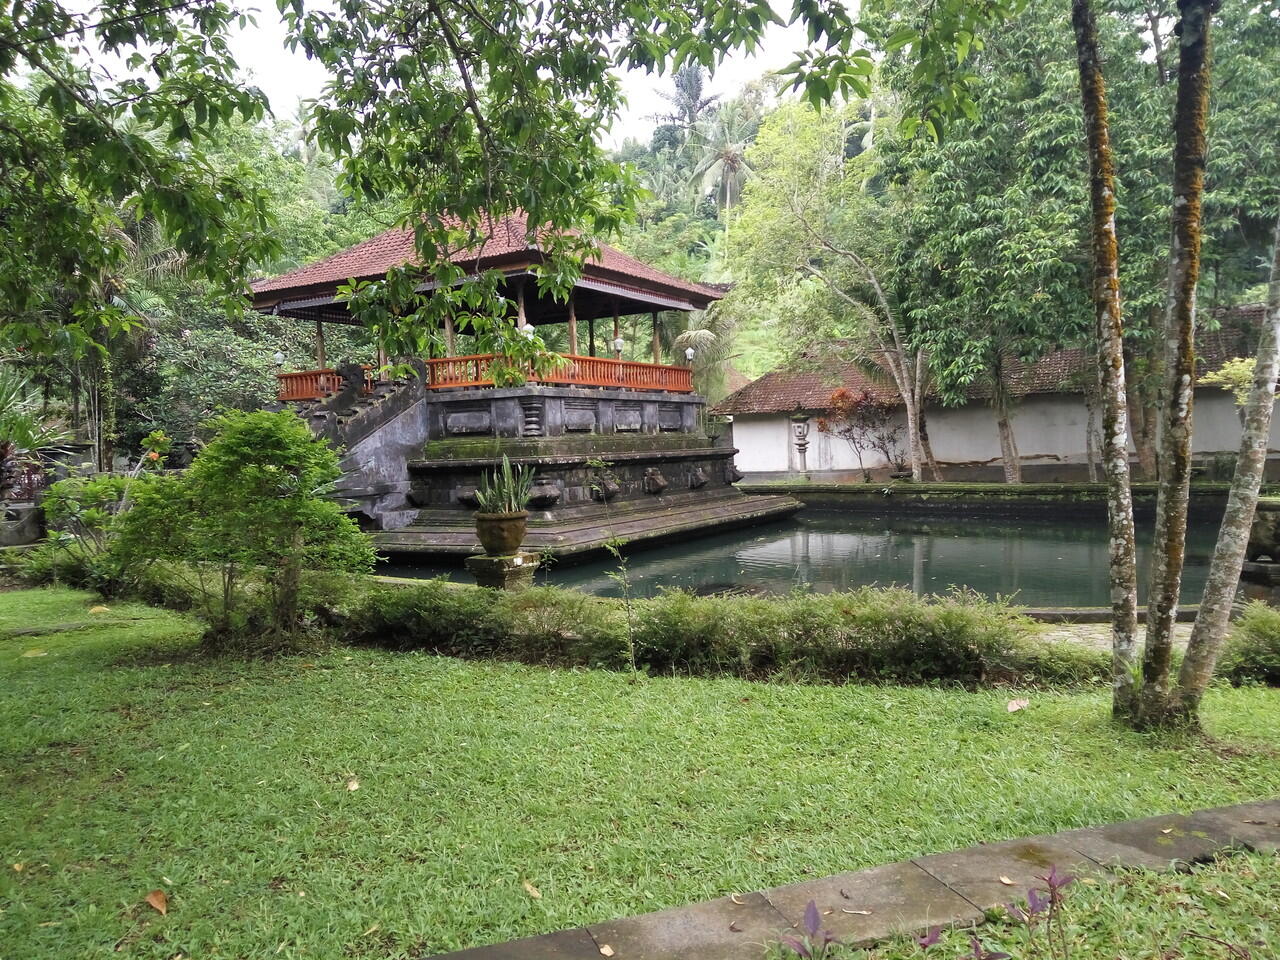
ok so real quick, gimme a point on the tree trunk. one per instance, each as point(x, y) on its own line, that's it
point(913, 433)
point(1168, 548)
point(1008, 447)
point(927, 448)
point(1106, 307)
point(1090, 434)
point(1210, 629)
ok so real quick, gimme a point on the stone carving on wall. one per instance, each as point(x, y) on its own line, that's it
point(466, 496)
point(544, 493)
point(579, 416)
point(627, 417)
point(669, 417)
point(698, 478)
point(468, 422)
point(605, 488)
point(654, 481)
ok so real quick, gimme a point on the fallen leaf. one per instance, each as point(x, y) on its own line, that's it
point(1020, 704)
point(370, 930)
point(1257, 823)
point(861, 913)
point(531, 890)
point(17, 867)
point(99, 609)
point(734, 927)
point(159, 901)
point(1222, 894)
point(845, 893)
point(35, 652)
point(353, 784)
point(606, 950)
point(736, 899)
point(1006, 881)
point(1170, 830)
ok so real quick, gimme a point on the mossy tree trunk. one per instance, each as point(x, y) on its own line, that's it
point(1210, 628)
point(1111, 378)
point(1169, 545)
point(926, 448)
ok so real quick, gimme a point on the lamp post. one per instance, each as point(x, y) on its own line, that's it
point(800, 430)
point(278, 357)
point(688, 356)
point(617, 347)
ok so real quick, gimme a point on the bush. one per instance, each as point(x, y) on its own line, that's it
point(1252, 652)
point(868, 634)
point(244, 525)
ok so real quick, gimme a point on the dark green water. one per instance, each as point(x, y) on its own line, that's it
point(1059, 562)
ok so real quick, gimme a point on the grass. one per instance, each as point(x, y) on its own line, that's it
point(1142, 915)
point(132, 763)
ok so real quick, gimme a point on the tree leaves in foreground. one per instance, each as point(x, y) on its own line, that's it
point(110, 110)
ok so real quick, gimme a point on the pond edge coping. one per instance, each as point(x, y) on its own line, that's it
point(950, 889)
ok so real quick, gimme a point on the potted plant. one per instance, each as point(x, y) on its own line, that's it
point(503, 496)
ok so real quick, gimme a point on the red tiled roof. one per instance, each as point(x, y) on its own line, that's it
point(509, 240)
point(1064, 371)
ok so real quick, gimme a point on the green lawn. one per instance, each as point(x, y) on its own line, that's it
point(130, 763)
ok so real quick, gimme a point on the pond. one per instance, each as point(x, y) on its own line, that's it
point(1038, 562)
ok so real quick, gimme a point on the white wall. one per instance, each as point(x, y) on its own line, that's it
point(1049, 428)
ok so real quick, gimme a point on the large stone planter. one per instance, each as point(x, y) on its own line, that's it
point(501, 533)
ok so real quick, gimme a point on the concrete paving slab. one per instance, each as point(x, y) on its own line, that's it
point(715, 930)
point(562, 945)
point(1252, 825)
point(873, 904)
point(998, 873)
point(1154, 843)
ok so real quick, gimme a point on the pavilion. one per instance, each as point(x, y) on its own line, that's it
point(612, 286)
point(416, 448)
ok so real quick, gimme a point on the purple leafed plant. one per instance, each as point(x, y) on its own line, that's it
point(817, 943)
point(929, 939)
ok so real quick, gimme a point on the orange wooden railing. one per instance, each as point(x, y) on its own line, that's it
point(316, 384)
point(475, 371)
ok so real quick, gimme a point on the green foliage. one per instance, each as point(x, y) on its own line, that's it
point(505, 489)
point(1236, 375)
point(868, 634)
point(24, 428)
point(87, 518)
point(78, 146)
point(1252, 651)
point(245, 520)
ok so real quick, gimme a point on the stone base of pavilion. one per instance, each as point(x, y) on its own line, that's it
point(578, 532)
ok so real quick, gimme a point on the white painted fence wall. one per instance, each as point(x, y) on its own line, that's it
point(1048, 428)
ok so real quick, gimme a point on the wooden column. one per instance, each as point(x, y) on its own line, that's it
point(617, 331)
point(657, 340)
point(449, 341)
point(521, 319)
point(383, 359)
point(321, 360)
point(591, 335)
point(573, 328)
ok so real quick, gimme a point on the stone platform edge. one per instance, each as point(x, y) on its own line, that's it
point(945, 889)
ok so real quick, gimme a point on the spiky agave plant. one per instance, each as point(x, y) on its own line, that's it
point(505, 489)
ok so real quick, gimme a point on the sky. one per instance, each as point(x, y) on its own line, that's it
point(287, 77)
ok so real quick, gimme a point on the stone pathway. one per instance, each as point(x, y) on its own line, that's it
point(869, 905)
point(1099, 634)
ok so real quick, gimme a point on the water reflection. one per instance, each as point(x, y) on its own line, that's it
point(1061, 563)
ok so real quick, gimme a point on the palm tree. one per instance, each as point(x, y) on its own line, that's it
point(690, 104)
point(24, 431)
point(722, 167)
